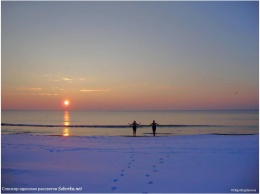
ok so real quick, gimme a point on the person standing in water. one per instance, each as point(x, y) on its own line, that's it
point(154, 124)
point(134, 124)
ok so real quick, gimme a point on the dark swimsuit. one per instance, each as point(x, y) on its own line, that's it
point(134, 129)
point(154, 128)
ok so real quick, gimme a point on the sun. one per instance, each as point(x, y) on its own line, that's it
point(66, 102)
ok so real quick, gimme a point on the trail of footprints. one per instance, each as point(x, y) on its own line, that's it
point(147, 175)
point(123, 171)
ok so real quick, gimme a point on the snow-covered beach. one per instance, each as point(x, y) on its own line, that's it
point(172, 164)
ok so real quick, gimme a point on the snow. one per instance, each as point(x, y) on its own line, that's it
point(172, 164)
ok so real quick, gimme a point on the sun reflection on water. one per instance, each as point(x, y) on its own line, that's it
point(66, 123)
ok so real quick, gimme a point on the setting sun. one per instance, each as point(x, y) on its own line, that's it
point(66, 102)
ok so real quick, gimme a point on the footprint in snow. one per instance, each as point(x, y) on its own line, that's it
point(114, 188)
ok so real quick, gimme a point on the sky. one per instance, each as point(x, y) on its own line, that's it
point(130, 55)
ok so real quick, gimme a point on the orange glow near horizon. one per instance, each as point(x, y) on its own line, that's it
point(160, 98)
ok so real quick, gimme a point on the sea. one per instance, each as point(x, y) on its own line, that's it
point(116, 123)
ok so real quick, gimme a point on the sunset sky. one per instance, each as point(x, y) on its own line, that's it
point(130, 55)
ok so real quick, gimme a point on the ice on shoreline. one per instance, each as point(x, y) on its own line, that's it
point(192, 163)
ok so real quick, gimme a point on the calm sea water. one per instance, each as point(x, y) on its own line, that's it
point(115, 123)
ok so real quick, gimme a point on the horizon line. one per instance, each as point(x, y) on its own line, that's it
point(246, 109)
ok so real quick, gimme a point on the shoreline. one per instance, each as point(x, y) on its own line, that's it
point(147, 135)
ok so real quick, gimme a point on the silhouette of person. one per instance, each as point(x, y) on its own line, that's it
point(154, 124)
point(134, 124)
